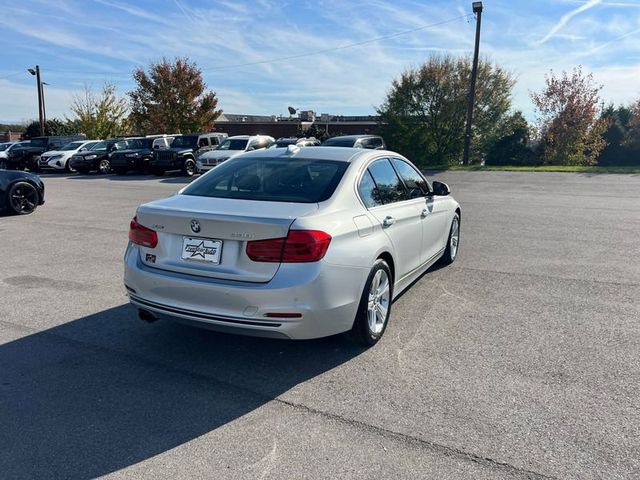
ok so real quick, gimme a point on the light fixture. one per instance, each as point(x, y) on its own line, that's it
point(477, 7)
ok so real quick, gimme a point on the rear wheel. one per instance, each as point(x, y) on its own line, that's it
point(451, 251)
point(375, 306)
point(190, 168)
point(104, 166)
point(22, 198)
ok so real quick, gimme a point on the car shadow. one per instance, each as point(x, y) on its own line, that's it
point(107, 391)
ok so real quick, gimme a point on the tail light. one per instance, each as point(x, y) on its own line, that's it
point(297, 247)
point(141, 235)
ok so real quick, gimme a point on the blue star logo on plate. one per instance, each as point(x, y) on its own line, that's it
point(195, 226)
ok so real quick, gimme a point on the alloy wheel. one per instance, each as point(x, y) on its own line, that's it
point(455, 237)
point(379, 299)
point(104, 166)
point(23, 198)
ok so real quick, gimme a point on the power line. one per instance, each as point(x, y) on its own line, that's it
point(285, 58)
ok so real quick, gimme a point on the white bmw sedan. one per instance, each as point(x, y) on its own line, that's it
point(295, 243)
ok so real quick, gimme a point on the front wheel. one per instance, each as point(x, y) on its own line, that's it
point(22, 198)
point(190, 168)
point(453, 242)
point(375, 306)
point(104, 166)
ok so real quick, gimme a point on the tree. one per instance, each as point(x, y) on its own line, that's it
point(100, 115)
point(632, 136)
point(617, 151)
point(513, 146)
point(53, 126)
point(423, 115)
point(172, 98)
point(571, 127)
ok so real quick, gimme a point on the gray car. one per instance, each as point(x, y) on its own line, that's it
point(291, 243)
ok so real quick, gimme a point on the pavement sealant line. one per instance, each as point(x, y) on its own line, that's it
point(552, 277)
point(402, 437)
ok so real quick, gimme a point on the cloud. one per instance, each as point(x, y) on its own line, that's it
point(565, 19)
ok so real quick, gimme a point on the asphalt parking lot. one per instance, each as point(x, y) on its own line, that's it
point(521, 360)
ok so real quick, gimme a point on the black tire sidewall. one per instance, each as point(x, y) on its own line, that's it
point(186, 170)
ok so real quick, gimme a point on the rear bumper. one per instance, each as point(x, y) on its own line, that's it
point(326, 295)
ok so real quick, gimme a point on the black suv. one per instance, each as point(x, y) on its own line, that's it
point(27, 156)
point(138, 154)
point(373, 142)
point(183, 152)
point(98, 156)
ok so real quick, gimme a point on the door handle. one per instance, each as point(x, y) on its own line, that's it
point(388, 221)
point(424, 213)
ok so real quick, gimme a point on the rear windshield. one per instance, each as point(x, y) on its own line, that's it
point(185, 142)
point(271, 180)
point(339, 142)
point(139, 143)
point(234, 144)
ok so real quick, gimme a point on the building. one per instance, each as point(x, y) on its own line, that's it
point(10, 136)
point(279, 126)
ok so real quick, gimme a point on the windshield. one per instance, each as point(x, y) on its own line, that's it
point(121, 145)
point(39, 142)
point(271, 180)
point(234, 144)
point(338, 142)
point(71, 146)
point(139, 143)
point(185, 142)
point(100, 146)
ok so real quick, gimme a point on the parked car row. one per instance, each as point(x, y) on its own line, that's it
point(157, 154)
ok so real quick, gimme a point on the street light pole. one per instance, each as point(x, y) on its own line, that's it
point(477, 9)
point(44, 110)
point(36, 72)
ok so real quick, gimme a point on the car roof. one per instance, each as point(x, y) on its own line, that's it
point(341, 154)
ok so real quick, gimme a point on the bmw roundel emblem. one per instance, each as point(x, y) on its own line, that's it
point(195, 226)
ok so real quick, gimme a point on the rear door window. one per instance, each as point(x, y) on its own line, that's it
point(389, 185)
point(368, 191)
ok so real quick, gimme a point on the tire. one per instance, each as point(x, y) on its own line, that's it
point(453, 242)
point(158, 172)
point(104, 166)
point(22, 198)
point(189, 168)
point(67, 167)
point(374, 309)
point(120, 171)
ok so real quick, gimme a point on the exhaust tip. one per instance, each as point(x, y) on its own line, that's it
point(146, 315)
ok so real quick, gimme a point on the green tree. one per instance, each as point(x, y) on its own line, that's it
point(99, 115)
point(569, 114)
point(171, 97)
point(53, 126)
point(423, 115)
point(513, 147)
point(618, 150)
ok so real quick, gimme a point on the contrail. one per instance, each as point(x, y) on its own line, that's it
point(568, 16)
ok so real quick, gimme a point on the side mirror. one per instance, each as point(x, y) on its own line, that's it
point(251, 149)
point(440, 188)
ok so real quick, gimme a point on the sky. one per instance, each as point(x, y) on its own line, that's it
point(345, 52)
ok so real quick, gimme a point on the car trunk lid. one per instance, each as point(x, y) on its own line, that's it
point(233, 222)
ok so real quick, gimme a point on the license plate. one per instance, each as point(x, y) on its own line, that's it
point(201, 249)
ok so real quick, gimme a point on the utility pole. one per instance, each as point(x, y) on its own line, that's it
point(44, 110)
point(36, 72)
point(477, 9)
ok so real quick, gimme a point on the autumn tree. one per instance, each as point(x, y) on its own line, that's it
point(172, 97)
point(569, 119)
point(423, 115)
point(99, 115)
